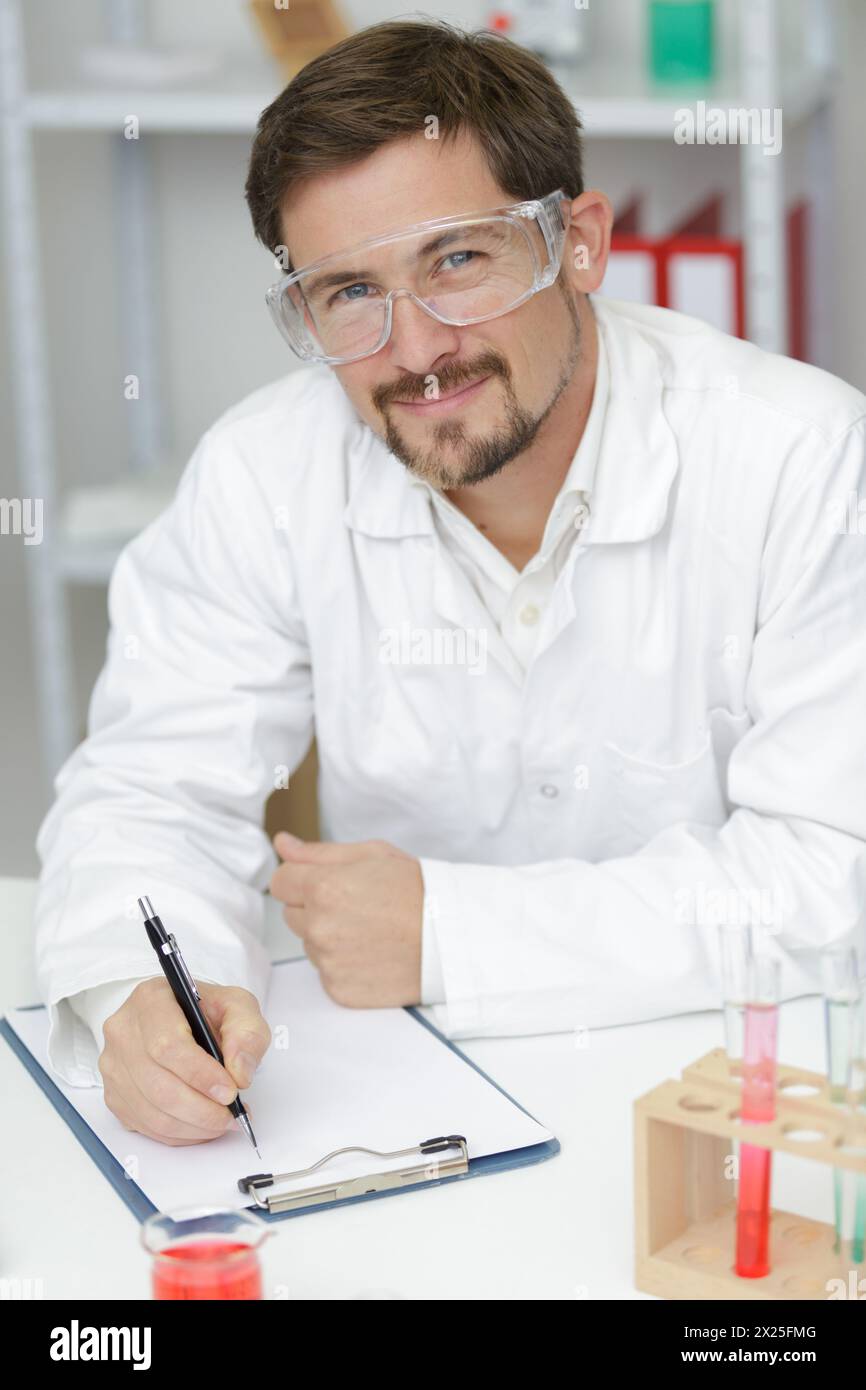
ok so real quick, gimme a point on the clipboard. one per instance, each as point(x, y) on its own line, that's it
point(437, 1161)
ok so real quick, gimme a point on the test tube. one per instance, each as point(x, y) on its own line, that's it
point(841, 1000)
point(858, 1094)
point(735, 952)
point(757, 1106)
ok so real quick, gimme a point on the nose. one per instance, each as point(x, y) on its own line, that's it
point(417, 337)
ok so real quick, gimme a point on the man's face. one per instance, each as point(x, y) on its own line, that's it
point(503, 376)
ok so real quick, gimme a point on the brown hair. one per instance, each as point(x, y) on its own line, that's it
point(382, 84)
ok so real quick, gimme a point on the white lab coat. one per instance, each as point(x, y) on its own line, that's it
point(687, 746)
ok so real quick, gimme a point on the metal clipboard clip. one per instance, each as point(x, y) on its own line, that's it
point(429, 1168)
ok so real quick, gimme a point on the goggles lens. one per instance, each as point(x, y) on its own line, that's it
point(466, 272)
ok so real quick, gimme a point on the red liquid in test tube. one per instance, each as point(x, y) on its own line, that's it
point(757, 1106)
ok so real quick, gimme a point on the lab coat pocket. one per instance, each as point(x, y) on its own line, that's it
point(648, 797)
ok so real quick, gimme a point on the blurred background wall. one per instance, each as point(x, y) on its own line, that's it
point(215, 341)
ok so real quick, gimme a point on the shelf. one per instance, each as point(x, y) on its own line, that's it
point(97, 522)
point(643, 109)
point(80, 562)
point(613, 100)
point(229, 102)
point(204, 113)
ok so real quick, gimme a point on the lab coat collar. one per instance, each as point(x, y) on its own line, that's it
point(638, 456)
point(629, 478)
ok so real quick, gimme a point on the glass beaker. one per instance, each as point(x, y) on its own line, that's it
point(205, 1252)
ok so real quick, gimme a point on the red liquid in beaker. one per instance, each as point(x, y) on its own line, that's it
point(207, 1269)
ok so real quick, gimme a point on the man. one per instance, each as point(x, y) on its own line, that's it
point(561, 581)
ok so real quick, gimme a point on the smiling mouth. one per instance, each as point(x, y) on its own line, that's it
point(443, 402)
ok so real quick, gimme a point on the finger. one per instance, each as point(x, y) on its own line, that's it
point(145, 1093)
point(293, 883)
point(169, 1093)
point(243, 1032)
point(165, 1037)
point(331, 851)
point(297, 919)
point(129, 1121)
point(300, 922)
point(284, 843)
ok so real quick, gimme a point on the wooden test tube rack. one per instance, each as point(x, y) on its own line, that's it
point(685, 1204)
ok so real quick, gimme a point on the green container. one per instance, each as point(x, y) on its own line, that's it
point(681, 39)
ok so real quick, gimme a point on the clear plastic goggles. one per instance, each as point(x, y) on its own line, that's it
point(460, 270)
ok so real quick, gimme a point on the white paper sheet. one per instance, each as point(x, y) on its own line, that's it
point(332, 1077)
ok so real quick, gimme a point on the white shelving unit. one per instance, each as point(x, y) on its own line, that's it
point(615, 102)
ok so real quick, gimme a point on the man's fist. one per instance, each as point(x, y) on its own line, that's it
point(159, 1082)
point(358, 909)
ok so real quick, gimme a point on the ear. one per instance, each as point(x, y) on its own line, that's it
point(587, 243)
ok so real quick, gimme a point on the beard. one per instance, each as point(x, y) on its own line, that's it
point(455, 457)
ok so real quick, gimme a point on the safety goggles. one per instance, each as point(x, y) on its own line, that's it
point(460, 270)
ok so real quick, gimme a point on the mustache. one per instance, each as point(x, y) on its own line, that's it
point(450, 379)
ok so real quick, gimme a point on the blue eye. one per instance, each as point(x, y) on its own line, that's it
point(354, 298)
point(452, 254)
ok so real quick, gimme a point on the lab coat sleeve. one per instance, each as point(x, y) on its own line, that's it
point(570, 944)
point(203, 706)
point(93, 1006)
point(432, 984)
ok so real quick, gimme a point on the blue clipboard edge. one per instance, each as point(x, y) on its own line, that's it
point(142, 1207)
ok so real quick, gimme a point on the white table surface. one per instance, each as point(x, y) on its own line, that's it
point(562, 1229)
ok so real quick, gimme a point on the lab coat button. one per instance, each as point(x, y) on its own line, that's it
point(528, 615)
point(548, 789)
point(581, 515)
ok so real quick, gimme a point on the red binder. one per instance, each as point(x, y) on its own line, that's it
point(697, 271)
